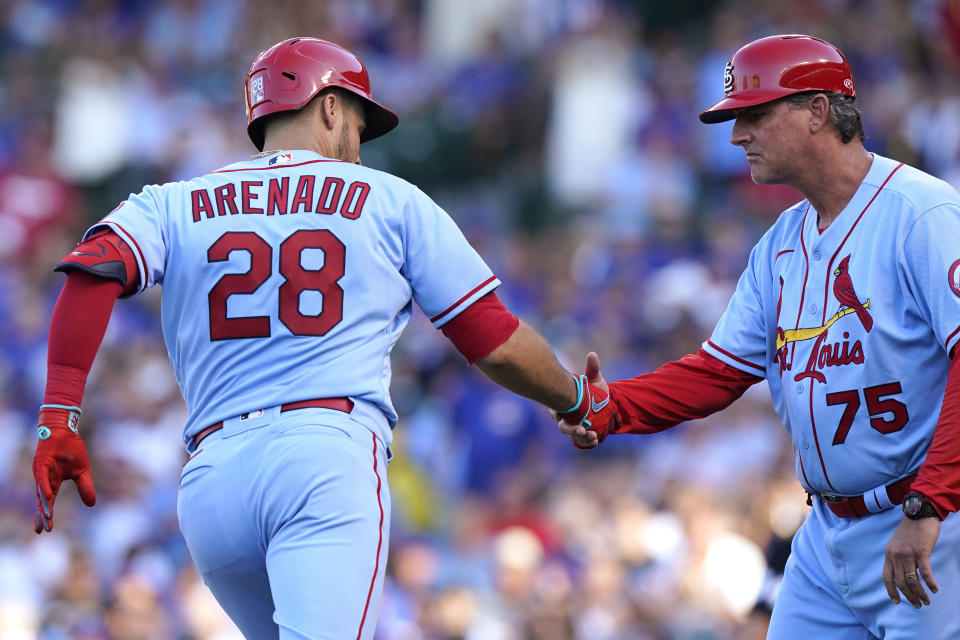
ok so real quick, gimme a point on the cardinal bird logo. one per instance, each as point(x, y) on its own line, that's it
point(822, 355)
point(843, 290)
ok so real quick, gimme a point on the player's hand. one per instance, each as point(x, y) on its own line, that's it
point(906, 563)
point(61, 455)
point(593, 418)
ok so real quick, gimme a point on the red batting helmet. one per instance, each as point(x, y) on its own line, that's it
point(777, 66)
point(289, 74)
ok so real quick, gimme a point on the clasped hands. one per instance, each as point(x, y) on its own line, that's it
point(593, 417)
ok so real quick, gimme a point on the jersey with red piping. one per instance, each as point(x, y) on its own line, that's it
point(852, 327)
point(290, 277)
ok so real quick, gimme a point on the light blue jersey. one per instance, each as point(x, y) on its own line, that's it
point(851, 327)
point(290, 277)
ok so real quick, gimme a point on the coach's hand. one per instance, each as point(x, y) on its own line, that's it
point(907, 560)
point(60, 456)
point(593, 417)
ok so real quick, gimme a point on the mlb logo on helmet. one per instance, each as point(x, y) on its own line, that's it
point(283, 158)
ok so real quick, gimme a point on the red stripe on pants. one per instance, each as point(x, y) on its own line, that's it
point(376, 567)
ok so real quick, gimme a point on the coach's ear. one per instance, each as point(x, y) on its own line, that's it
point(819, 107)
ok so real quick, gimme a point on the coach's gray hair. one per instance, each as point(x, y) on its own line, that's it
point(844, 112)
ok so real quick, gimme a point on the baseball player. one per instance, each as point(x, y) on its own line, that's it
point(287, 279)
point(850, 308)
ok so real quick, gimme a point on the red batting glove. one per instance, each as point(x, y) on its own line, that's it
point(60, 456)
point(593, 410)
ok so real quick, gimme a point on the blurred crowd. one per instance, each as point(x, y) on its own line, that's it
point(562, 136)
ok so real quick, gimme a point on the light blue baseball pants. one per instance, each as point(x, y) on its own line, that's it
point(832, 587)
point(287, 518)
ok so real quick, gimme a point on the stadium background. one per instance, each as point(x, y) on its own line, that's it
point(562, 136)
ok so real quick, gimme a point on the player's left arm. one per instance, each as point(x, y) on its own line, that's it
point(512, 354)
point(455, 288)
point(99, 270)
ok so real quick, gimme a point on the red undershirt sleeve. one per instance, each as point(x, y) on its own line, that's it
point(77, 327)
point(693, 387)
point(480, 328)
point(939, 475)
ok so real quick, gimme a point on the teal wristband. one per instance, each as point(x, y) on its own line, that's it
point(73, 419)
point(581, 381)
point(61, 406)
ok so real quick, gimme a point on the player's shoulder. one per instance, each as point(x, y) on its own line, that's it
point(163, 195)
point(297, 165)
point(304, 162)
point(150, 196)
point(384, 178)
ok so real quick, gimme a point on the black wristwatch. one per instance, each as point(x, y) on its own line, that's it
point(916, 506)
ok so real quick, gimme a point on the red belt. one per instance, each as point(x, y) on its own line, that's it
point(338, 404)
point(856, 506)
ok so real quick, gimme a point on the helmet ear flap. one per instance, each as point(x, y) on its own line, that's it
point(256, 133)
